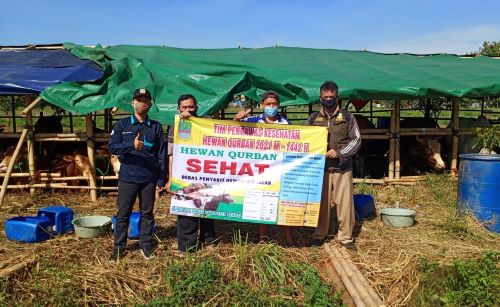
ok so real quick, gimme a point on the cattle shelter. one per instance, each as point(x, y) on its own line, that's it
point(214, 76)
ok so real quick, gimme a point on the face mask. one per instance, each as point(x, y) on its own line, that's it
point(329, 103)
point(271, 111)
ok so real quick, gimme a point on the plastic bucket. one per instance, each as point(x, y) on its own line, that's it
point(91, 226)
point(364, 206)
point(398, 217)
point(479, 188)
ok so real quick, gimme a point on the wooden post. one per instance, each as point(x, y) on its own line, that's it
point(110, 119)
point(13, 105)
point(11, 165)
point(455, 126)
point(482, 106)
point(91, 154)
point(106, 121)
point(371, 111)
point(310, 109)
point(70, 122)
point(397, 147)
point(392, 143)
point(30, 144)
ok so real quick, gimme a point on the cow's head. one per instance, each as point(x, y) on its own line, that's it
point(82, 163)
point(114, 160)
point(115, 163)
point(430, 151)
point(7, 157)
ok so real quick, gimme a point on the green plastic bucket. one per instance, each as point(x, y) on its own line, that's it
point(91, 226)
point(398, 217)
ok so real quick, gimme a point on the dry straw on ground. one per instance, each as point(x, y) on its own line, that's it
point(388, 257)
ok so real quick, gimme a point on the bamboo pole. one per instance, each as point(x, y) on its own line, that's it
point(397, 147)
point(21, 175)
point(30, 145)
point(374, 130)
point(375, 137)
point(79, 178)
point(71, 122)
point(71, 135)
point(368, 180)
point(10, 135)
point(114, 110)
point(61, 185)
point(352, 274)
point(37, 185)
point(455, 125)
point(31, 106)
point(351, 288)
point(426, 131)
point(91, 156)
point(11, 165)
point(339, 285)
point(392, 143)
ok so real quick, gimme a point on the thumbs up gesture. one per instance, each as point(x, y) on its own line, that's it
point(138, 143)
point(242, 114)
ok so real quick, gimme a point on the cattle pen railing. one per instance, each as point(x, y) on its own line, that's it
point(55, 180)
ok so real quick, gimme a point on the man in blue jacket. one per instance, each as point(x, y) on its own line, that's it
point(139, 142)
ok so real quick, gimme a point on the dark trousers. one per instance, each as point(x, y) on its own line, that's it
point(187, 232)
point(127, 194)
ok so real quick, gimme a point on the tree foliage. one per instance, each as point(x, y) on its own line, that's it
point(490, 48)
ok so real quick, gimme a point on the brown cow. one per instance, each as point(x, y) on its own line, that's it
point(7, 157)
point(420, 154)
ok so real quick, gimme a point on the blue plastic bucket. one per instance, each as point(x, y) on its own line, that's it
point(364, 206)
point(479, 188)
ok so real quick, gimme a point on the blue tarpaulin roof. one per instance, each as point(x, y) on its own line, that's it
point(31, 71)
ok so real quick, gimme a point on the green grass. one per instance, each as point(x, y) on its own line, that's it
point(473, 282)
point(257, 275)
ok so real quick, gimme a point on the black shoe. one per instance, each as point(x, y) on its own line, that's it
point(316, 242)
point(350, 246)
point(149, 253)
point(117, 254)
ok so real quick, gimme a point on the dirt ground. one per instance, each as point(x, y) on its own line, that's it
point(388, 257)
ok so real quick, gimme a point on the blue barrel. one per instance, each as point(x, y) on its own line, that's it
point(479, 188)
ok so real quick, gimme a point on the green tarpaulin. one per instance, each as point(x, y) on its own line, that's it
point(215, 75)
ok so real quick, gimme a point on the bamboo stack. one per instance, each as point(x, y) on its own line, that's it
point(356, 284)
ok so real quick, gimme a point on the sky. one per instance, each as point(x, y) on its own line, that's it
point(389, 26)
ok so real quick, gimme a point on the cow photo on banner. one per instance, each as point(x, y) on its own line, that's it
point(259, 173)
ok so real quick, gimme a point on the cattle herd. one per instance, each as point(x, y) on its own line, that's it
point(69, 159)
point(417, 154)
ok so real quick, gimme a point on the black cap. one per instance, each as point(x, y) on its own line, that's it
point(270, 94)
point(142, 92)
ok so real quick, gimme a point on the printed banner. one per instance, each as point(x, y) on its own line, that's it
point(259, 173)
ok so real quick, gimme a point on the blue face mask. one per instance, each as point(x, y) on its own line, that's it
point(329, 103)
point(271, 111)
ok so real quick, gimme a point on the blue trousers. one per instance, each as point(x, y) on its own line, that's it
point(127, 194)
